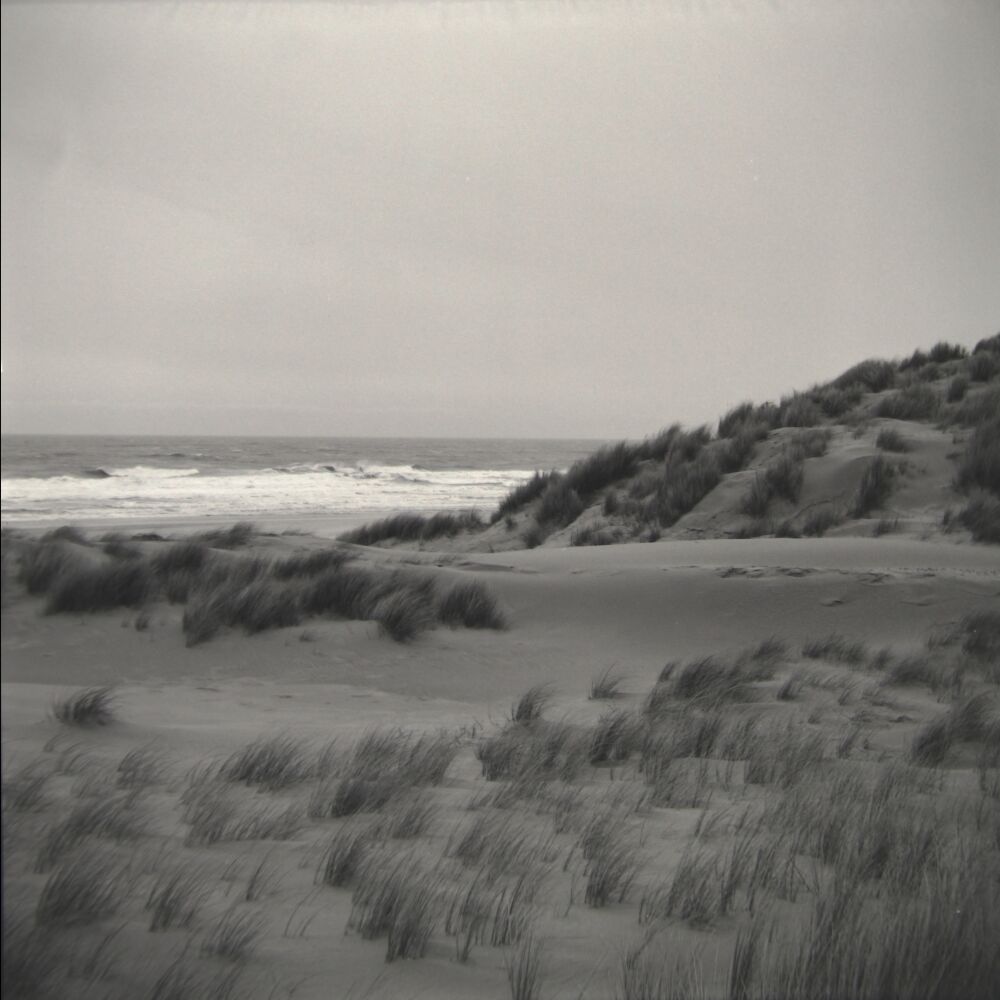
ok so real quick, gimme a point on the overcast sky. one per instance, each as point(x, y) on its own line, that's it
point(484, 219)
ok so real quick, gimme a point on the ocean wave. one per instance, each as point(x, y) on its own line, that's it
point(141, 472)
point(318, 488)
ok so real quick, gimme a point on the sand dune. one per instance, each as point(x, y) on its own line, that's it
point(574, 612)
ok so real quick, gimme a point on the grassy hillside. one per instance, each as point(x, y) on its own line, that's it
point(909, 445)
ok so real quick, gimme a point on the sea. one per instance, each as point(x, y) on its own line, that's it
point(80, 479)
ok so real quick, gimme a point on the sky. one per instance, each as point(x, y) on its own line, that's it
point(484, 219)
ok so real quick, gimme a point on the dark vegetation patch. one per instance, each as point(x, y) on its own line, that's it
point(221, 590)
point(471, 605)
point(875, 486)
point(979, 466)
point(90, 707)
point(981, 516)
point(890, 439)
point(915, 402)
point(414, 528)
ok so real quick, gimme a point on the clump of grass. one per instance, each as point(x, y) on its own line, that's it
point(351, 795)
point(969, 721)
point(768, 652)
point(603, 467)
point(396, 898)
point(89, 707)
point(791, 687)
point(979, 467)
point(978, 408)
point(234, 935)
point(885, 526)
point(176, 897)
point(915, 669)
point(101, 587)
point(875, 486)
point(784, 476)
point(141, 767)
point(409, 819)
point(530, 706)
point(615, 735)
point(84, 889)
point(981, 516)
point(606, 685)
point(522, 495)
point(471, 604)
point(710, 680)
point(800, 411)
point(957, 389)
point(611, 871)
point(213, 817)
point(533, 535)
point(273, 763)
point(181, 557)
point(524, 969)
point(560, 504)
point(414, 527)
point(310, 564)
point(684, 484)
point(981, 632)
point(403, 615)
point(917, 401)
point(344, 854)
point(236, 537)
point(836, 648)
point(256, 607)
point(757, 498)
point(24, 791)
point(819, 521)
point(874, 375)
point(890, 439)
point(595, 534)
point(785, 758)
point(981, 366)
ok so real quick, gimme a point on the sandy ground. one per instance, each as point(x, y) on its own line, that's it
point(573, 613)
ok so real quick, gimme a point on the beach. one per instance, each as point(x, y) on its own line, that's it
point(573, 614)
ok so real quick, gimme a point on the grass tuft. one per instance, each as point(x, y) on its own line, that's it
point(472, 605)
point(89, 707)
point(84, 889)
point(530, 706)
point(606, 686)
point(874, 488)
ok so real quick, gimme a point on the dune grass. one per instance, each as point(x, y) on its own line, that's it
point(85, 888)
point(413, 528)
point(874, 375)
point(979, 466)
point(874, 488)
point(530, 706)
point(606, 686)
point(981, 516)
point(100, 588)
point(272, 764)
point(89, 707)
point(176, 897)
point(522, 495)
point(836, 648)
point(472, 605)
